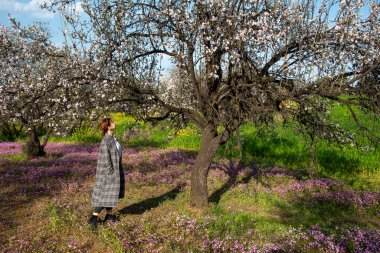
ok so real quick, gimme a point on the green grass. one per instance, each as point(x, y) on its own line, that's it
point(15, 158)
point(230, 223)
point(288, 148)
point(57, 219)
point(111, 238)
point(249, 211)
point(245, 210)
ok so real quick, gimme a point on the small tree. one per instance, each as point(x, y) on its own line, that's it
point(41, 86)
point(239, 59)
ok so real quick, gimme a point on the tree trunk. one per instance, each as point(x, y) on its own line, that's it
point(33, 147)
point(209, 144)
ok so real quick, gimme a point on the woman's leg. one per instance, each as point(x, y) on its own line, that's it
point(97, 210)
point(109, 215)
point(93, 221)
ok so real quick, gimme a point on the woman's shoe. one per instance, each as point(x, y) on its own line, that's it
point(93, 221)
point(110, 217)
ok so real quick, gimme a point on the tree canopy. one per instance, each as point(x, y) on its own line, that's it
point(237, 61)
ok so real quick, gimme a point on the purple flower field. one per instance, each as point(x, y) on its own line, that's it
point(46, 202)
point(10, 148)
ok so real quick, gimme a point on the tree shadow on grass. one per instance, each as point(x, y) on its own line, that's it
point(291, 153)
point(273, 150)
point(10, 202)
point(23, 183)
point(148, 204)
point(255, 172)
point(233, 170)
point(335, 161)
point(307, 211)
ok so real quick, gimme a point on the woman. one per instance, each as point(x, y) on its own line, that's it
point(110, 183)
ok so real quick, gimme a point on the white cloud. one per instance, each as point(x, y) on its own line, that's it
point(32, 8)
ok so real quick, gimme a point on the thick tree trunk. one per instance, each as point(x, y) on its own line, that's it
point(33, 147)
point(209, 144)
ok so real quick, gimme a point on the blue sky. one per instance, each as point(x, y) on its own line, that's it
point(28, 11)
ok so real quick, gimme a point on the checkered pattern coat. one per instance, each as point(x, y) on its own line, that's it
point(110, 182)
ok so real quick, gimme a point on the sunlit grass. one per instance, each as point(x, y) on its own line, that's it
point(359, 166)
point(157, 216)
point(15, 157)
point(248, 211)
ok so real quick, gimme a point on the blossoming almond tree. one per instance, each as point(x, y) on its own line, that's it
point(240, 60)
point(41, 86)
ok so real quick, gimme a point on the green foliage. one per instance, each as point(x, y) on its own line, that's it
point(86, 134)
point(187, 138)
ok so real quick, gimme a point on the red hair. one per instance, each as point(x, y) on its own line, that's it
point(104, 124)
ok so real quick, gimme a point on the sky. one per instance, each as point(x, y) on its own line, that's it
point(28, 11)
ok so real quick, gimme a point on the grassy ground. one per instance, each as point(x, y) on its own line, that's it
point(264, 208)
point(358, 166)
point(281, 199)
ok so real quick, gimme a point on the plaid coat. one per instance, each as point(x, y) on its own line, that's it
point(110, 182)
